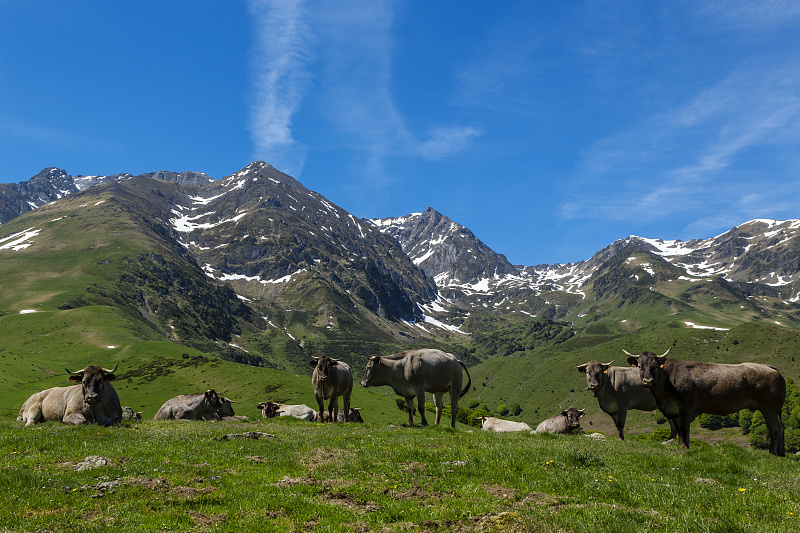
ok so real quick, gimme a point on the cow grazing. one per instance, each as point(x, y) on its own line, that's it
point(202, 406)
point(331, 379)
point(564, 423)
point(683, 389)
point(301, 412)
point(617, 390)
point(353, 416)
point(490, 423)
point(94, 400)
point(415, 372)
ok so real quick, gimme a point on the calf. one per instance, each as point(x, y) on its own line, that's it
point(331, 379)
point(353, 416)
point(565, 422)
point(683, 389)
point(617, 390)
point(301, 412)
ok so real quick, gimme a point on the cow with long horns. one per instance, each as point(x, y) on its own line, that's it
point(93, 400)
point(683, 389)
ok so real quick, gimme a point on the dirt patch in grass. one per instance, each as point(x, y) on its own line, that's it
point(205, 522)
point(322, 457)
point(349, 501)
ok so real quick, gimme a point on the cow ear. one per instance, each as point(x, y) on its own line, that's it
point(582, 368)
point(376, 359)
point(563, 413)
point(661, 362)
point(633, 361)
point(76, 379)
point(313, 363)
point(109, 377)
point(334, 362)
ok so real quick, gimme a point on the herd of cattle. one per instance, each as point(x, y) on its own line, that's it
point(679, 389)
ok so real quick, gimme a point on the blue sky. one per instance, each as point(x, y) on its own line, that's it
point(550, 129)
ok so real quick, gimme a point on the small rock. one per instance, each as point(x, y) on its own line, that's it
point(93, 461)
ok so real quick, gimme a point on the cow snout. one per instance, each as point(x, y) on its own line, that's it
point(91, 398)
point(647, 382)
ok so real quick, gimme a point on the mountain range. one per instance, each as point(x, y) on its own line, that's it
point(276, 255)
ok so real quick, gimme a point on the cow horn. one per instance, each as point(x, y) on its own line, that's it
point(665, 353)
point(107, 371)
point(609, 363)
point(584, 409)
point(71, 373)
point(630, 354)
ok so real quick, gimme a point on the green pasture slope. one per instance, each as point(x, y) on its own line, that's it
point(288, 475)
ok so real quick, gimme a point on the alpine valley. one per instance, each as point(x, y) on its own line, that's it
point(183, 279)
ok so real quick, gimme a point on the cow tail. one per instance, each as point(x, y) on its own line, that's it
point(469, 380)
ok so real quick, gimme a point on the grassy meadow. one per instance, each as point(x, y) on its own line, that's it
point(288, 475)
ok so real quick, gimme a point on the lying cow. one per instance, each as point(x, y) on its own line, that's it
point(202, 406)
point(94, 400)
point(564, 423)
point(415, 372)
point(301, 412)
point(331, 379)
point(490, 423)
point(683, 389)
point(353, 416)
point(617, 390)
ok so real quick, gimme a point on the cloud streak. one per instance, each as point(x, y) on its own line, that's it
point(283, 48)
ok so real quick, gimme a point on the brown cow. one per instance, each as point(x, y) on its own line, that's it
point(564, 423)
point(331, 379)
point(415, 372)
point(617, 390)
point(683, 389)
point(93, 401)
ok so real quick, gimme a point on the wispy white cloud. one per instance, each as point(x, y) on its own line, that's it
point(444, 142)
point(698, 158)
point(283, 48)
point(350, 44)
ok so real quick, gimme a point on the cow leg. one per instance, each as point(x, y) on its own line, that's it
point(410, 409)
point(333, 408)
point(421, 406)
point(673, 428)
point(619, 421)
point(454, 394)
point(321, 404)
point(346, 405)
point(775, 427)
point(438, 399)
point(75, 419)
point(682, 422)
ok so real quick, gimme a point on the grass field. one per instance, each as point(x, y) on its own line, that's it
point(186, 476)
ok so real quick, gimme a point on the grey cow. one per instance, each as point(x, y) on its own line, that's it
point(619, 389)
point(332, 378)
point(565, 422)
point(93, 400)
point(415, 372)
point(301, 411)
point(202, 406)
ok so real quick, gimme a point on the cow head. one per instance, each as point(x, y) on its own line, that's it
point(93, 379)
point(595, 373)
point(268, 409)
point(323, 365)
point(373, 362)
point(355, 415)
point(227, 408)
point(573, 417)
point(214, 401)
point(649, 365)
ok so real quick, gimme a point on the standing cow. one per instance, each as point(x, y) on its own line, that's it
point(94, 400)
point(202, 406)
point(683, 389)
point(564, 423)
point(617, 390)
point(331, 379)
point(415, 372)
